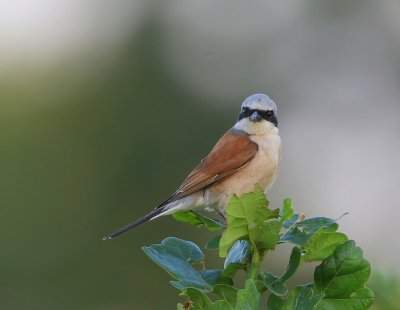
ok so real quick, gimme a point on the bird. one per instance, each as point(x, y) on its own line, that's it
point(246, 157)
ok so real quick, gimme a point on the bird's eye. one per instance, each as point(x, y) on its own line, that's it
point(246, 112)
point(270, 113)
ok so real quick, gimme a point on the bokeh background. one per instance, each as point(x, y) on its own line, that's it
point(105, 106)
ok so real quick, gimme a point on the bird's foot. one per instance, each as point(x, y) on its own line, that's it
point(223, 218)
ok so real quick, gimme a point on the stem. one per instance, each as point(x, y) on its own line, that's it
point(255, 262)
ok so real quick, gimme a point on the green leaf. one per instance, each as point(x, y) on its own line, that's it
point(342, 277)
point(213, 243)
point(295, 236)
point(339, 281)
point(239, 257)
point(295, 218)
point(286, 212)
point(322, 244)
point(245, 218)
point(294, 262)
point(302, 231)
point(230, 271)
point(276, 285)
point(300, 298)
point(266, 235)
point(315, 223)
point(211, 277)
point(240, 253)
point(197, 220)
point(176, 256)
point(273, 284)
point(248, 298)
point(227, 293)
point(200, 301)
point(361, 298)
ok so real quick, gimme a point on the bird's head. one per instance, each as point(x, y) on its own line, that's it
point(258, 114)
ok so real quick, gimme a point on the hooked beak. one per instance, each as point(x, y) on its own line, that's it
point(255, 117)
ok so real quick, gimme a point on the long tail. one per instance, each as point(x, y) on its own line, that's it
point(136, 223)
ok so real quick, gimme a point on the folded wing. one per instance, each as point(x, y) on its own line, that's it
point(231, 153)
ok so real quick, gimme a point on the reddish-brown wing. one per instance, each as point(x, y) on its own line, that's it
point(231, 153)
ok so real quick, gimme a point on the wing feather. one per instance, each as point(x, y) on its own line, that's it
point(231, 153)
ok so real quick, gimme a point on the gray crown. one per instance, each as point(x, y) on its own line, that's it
point(260, 102)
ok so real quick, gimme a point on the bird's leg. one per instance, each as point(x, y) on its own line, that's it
point(222, 221)
point(223, 217)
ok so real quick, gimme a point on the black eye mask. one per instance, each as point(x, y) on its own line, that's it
point(267, 115)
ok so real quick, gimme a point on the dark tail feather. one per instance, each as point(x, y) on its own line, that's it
point(136, 223)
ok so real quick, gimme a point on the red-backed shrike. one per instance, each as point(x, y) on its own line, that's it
point(245, 157)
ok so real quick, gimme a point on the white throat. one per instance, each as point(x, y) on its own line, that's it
point(256, 128)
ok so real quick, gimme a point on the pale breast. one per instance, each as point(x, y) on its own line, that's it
point(261, 171)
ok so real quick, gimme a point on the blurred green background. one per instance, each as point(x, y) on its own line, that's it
point(106, 106)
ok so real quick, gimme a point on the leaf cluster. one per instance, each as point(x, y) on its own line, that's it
point(252, 231)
